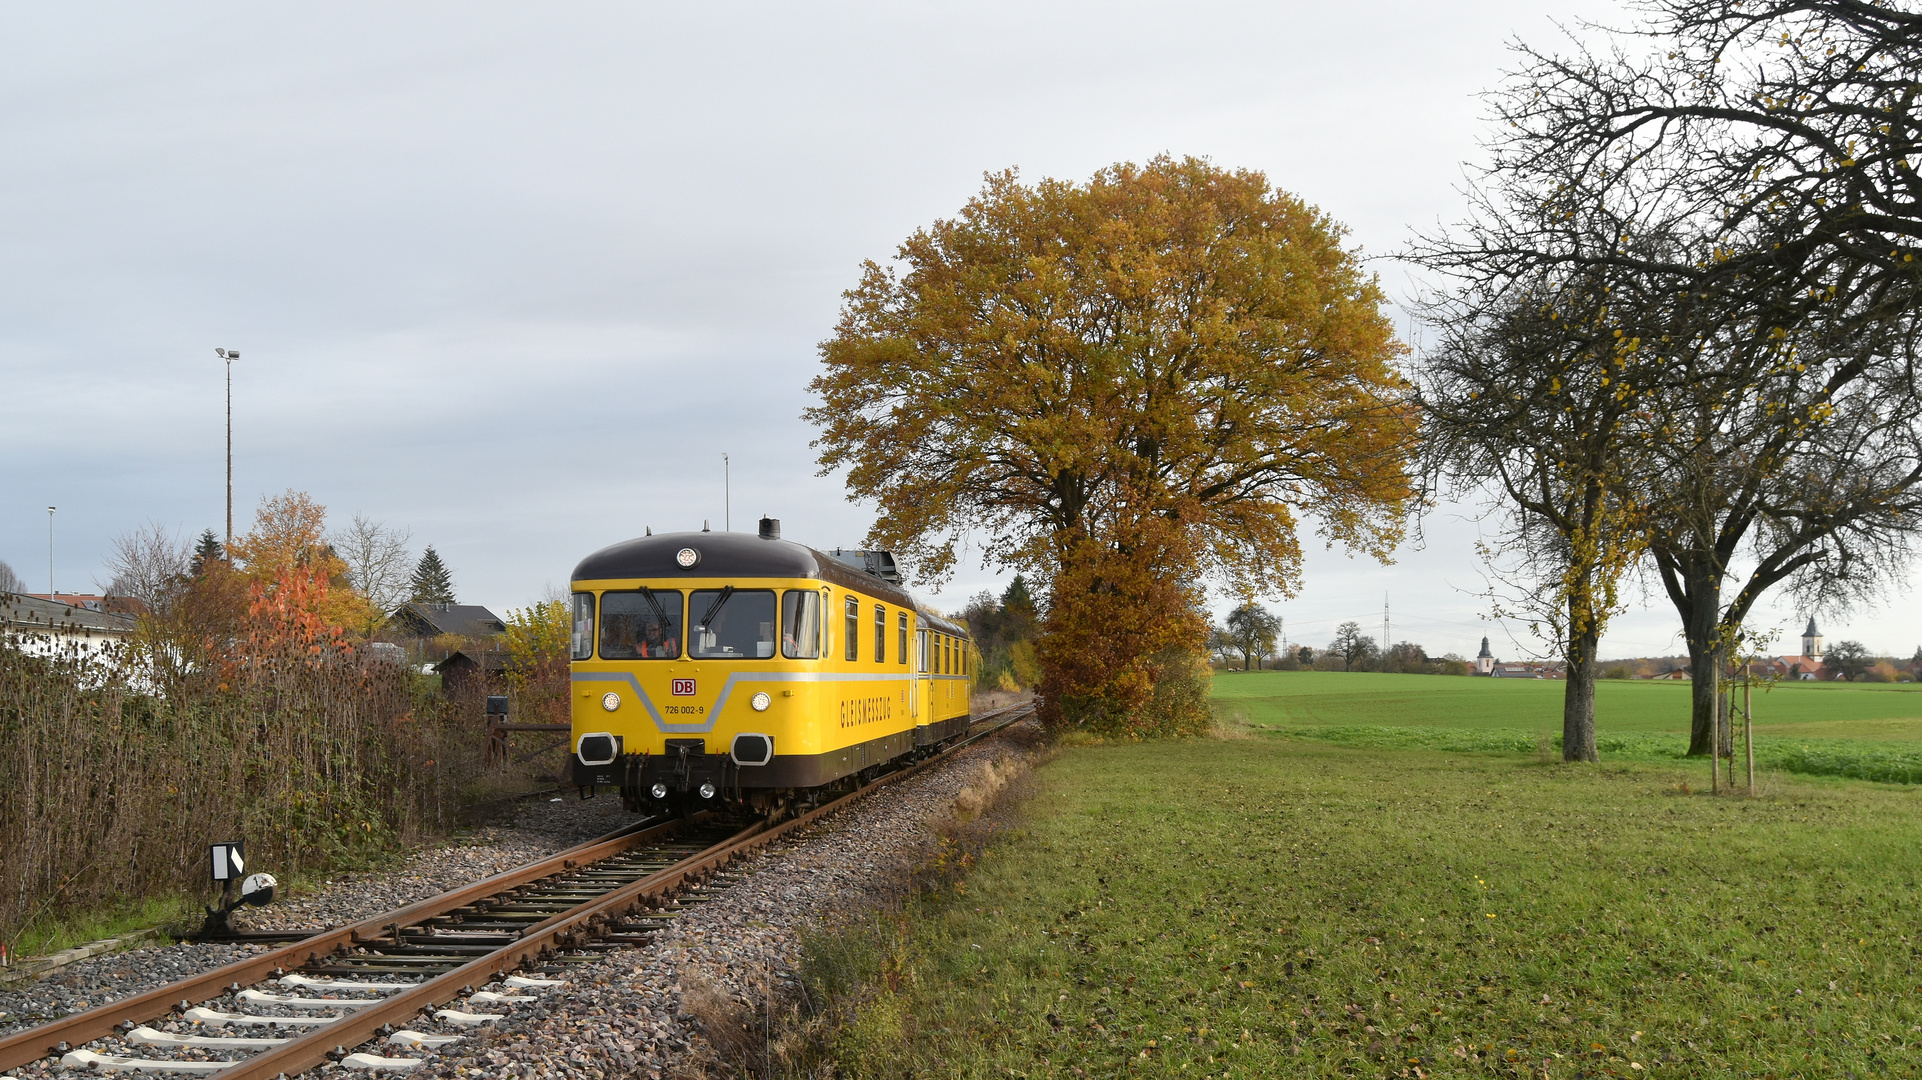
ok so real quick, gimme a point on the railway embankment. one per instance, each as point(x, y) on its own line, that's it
point(704, 997)
point(535, 830)
point(681, 1002)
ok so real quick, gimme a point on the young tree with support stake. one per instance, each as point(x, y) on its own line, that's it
point(1125, 388)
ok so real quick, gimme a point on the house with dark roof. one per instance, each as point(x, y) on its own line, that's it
point(53, 627)
point(467, 667)
point(428, 620)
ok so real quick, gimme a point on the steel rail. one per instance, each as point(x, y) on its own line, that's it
point(317, 1048)
point(562, 930)
point(38, 1042)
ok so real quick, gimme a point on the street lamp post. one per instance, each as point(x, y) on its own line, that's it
point(50, 554)
point(230, 355)
point(727, 499)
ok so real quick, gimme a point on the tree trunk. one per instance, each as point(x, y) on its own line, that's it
point(1578, 698)
point(1700, 622)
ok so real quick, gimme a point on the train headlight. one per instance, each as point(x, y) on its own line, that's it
point(688, 558)
point(659, 791)
point(610, 701)
point(761, 701)
point(707, 790)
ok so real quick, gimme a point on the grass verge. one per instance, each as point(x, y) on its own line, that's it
point(1271, 907)
point(1854, 759)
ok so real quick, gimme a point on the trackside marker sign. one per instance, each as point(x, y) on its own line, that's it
point(229, 862)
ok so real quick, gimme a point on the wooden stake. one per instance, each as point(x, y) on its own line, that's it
point(1748, 732)
point(1731, 736)
point(1715, 745)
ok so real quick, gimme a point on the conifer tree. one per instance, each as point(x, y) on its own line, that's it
point(432, 583)
point(208, 549)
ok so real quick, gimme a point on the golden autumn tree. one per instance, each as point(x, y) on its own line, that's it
point(287, 552)
point(1125, 388)
point(537, 639)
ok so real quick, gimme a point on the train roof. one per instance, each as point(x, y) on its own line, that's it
point(945, 625)
point(732, 555)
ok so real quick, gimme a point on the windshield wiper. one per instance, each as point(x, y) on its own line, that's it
point(660, 613)
point(713, 609)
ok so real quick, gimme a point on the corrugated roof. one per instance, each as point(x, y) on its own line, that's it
point(30, 613)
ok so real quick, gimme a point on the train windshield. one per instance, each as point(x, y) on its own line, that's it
point(731, 624)
point(801, 625)
point(641, 625)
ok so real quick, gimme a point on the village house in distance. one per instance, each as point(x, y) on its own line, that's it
point(67, 625)
point(1807, 667)
point(1486, 664)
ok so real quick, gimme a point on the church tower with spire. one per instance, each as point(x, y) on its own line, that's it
point(1812, 642)
point(1485, 660)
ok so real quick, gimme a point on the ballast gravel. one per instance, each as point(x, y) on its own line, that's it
point(627, 1015)
point(539, 828)
point(630, 1013)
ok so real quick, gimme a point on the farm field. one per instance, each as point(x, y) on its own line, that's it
point(1868, 731)
point(1284, 907)
point(1297, 698)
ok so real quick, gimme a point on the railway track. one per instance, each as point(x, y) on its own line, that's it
point(302, 1005)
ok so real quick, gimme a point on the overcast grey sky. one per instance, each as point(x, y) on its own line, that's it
point(515, 276)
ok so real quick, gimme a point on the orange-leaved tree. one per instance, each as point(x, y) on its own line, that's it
point(287, 549)
point(1124, 388)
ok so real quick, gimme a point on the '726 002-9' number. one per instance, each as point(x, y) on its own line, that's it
point(684, 710)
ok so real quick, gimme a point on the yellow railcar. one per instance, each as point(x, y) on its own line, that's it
point(744, 669)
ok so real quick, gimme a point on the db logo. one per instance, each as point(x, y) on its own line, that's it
point(682, 688)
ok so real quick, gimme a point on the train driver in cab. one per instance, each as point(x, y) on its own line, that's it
point(655, 644)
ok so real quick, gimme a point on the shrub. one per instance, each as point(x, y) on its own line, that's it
point(315, 752)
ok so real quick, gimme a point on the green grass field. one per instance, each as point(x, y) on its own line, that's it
point(1880, 711)
point(1867, 731)
point(1276, 906)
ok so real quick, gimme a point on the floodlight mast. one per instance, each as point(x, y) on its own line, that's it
point(230, 355)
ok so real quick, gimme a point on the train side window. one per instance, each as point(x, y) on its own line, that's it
point(921, 649)
point(582, 641)
point(901, 645)
point(641, 625)
point(852, 631)
point(800, 625)
point(941, 654)
point(880, 634)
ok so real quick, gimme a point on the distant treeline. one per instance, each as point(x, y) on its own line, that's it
point(1004, 630)
point(1251, 638)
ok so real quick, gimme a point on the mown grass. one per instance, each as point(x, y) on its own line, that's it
point(1864, 731)
point(1278, 907)
point(1296, 698)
